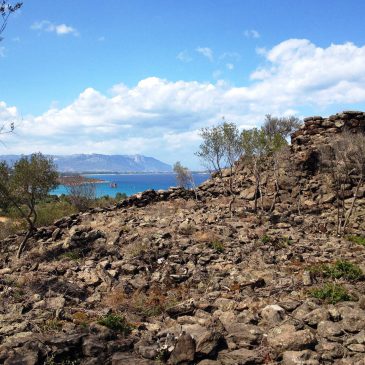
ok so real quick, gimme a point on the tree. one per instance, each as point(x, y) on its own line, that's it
point(344, 159)
point(183, 175)
point(211, 150)
point(24, 185)
point(81, 195)
point(222, 147)
point(6, 10)
point(282, 127)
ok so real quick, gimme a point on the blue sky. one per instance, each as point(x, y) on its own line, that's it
point(144, 76)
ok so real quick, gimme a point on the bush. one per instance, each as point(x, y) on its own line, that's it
point(340, 269)
point(331, 293)
point(343, 269)
point(217, 245)
point(116, 323)
point(360, 240)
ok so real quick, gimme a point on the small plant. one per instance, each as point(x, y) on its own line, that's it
point(286, 241)
point(217, 245)
point(51, 325)
point(343, 269)
point(73, 255)
point(331, 293)
point(265, 239)
point(51, 360)
point(116, 323)
point(360, 240)
point(340, 269)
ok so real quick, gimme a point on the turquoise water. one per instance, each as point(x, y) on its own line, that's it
point(133, 183)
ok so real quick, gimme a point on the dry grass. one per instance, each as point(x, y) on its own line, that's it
point(205, 236)
point(150, 303)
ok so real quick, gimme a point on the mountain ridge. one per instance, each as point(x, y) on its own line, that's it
point(102, 163)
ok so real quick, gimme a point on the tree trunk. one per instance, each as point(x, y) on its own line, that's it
point(348, 216)
point(24, 242)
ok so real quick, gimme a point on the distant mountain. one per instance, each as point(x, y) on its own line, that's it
point(102, 163)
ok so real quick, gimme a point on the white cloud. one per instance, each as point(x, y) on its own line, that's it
point(161, 118)
point(59, 29)
point(206, 52)
point(230, 66)
point(184, 56)
point(251, 33)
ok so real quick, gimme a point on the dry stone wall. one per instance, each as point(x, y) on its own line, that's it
point(318, 131)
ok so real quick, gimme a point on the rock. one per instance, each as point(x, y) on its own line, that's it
point(286, 338)
point(124, 358)
point(273, 313)
point(307, 278)
point(180, 309)
point(184, 350)
point(23, 358)
point(92, 346)
point(239, 357)
point(328, 329)
point(248, 194)
point(305, 357)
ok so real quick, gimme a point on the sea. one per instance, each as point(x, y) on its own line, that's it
point(133, 183)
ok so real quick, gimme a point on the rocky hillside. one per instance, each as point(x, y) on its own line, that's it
point(165, 278)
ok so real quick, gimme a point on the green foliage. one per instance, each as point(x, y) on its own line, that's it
point(184, 177)
point(221, 146)
point(331, 293)
point(265, 239)
point(73, 255)
point(116, 323)
point(343, 269)
point(216, 245)
point(360, 240)
point(340, 269)
point(27, 183)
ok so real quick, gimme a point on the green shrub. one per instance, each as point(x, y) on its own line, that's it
point(331, 293)
point(265, 239)
point(217, 245)
point(360, 240)
point(116, 323)
point(340, 269)
point(343, 269)
point(73, 255)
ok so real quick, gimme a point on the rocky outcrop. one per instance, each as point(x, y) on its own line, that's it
point(163, 277)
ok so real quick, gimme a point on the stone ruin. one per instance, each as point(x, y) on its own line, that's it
point(318, 131)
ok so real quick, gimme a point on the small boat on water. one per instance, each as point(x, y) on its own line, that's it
point(113, 185)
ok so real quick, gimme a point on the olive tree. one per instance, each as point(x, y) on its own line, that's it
point(24, 185)
point(6, 10)
point(81, 195)
point(211, 150)
point(184, 177)
point(221, 148)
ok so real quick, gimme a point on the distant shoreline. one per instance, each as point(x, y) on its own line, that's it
point(88, 173)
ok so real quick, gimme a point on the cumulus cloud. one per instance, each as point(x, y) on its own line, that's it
point(251, 33)
point(59, 29)
point(162, 118)
point(206, 52)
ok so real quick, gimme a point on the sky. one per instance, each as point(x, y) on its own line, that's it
point(144, 76)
